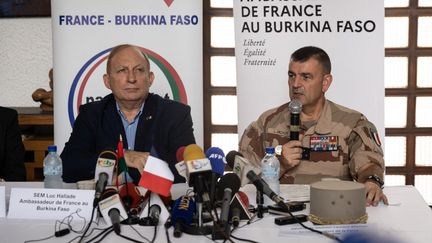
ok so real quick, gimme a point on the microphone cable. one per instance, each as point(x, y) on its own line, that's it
point(329, 235)
point(88, 225)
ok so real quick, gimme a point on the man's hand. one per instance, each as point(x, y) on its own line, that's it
point(136, 159)
point(292, 151)
point(374, 194)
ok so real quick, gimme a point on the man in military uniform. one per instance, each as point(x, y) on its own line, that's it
point(334, 141)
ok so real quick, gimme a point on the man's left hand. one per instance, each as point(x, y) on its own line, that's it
point(374, 194)
point(136, 159)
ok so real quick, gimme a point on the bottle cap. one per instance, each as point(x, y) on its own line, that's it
point(270, 150)
point(52, 148)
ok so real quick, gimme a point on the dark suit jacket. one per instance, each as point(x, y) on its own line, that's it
point(12, 150)
point(163, 127)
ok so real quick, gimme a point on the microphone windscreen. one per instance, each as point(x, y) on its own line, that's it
point(217, 160)
point(229, 180)
point(295, 106)
point(183, 210)
point(108, 154)
point(193, 152)
point(230, 158)
point(179, 153)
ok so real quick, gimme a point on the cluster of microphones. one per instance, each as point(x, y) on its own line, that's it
point(214, 208)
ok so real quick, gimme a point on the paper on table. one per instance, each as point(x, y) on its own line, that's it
point(296, 192)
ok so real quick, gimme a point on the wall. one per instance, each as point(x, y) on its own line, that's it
point(25, 59)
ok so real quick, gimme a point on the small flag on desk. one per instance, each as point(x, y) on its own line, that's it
point(157, 176)
point(122, 169)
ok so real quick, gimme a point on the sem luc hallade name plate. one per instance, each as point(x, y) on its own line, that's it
point(41, 203)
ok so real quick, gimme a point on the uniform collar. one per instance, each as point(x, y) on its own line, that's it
point(323, 126)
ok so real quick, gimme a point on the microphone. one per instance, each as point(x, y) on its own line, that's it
point(180, 165)
point(104, 172)
point(263, 187)
point(241, 166)
point(239, 207)
point(225, 205)
point(197, 165)
point(112, 209)
point(155, 211)
point(295, 108)
point(230, 157)
point(182, 214)
point(229, 180)
point(217, 161)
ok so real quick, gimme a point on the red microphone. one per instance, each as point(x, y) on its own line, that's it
point(180, 165)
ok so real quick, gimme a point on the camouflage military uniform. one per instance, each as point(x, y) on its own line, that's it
point(358, 144)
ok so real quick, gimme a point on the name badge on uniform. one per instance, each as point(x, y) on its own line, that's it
point(324, 143)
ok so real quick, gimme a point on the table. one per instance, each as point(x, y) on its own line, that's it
point(407, 219)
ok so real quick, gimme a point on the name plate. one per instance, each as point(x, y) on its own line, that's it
point(2, 202)
point(42, 203)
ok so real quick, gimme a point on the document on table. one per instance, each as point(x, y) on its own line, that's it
point(296, 192)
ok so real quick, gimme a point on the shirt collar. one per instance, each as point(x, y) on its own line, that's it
point(122, 115)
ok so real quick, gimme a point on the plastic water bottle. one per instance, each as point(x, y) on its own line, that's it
point(270, 172)
point(53, 169)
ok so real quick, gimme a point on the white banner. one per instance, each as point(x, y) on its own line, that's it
point(85, 31)
point(350, 31)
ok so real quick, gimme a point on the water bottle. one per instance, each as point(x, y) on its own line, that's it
point(270, 172)
point(53, 169)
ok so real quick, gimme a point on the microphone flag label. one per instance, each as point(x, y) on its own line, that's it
point(157, 176)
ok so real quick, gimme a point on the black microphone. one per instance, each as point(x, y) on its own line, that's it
point(155, 211)
point(114, 215)
point(295, 108)
point(104, 172)
point(112, 209)
point(263, 187)
point(225, 205)
point(230, 157)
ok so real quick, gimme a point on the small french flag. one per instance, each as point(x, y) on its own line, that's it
point(157, 176)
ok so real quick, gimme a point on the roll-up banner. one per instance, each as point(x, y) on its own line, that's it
point(84, 32)
point(350, 31)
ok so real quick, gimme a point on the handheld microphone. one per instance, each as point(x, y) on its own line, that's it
point(229, 180)
point(104, 172)
point(225, 205)
point(112, 209)
point(217, 161)
point(182, 214)
point(180, 165)
point(263, 187)
point(295, 108)
point(241, 166)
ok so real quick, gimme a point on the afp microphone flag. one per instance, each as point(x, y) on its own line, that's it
point(157, 176)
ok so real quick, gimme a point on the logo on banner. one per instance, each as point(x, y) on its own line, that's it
point(88, 85)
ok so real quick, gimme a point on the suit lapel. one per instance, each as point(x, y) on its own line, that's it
point(114, 123)
point(144, 135)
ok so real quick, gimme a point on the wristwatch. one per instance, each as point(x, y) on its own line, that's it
point(377, 180)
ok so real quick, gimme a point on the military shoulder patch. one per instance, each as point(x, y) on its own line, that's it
point(375, 137)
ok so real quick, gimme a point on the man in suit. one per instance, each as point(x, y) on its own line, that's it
point(148, 123)
point(11, 147)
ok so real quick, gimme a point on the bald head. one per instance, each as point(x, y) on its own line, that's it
point(118, 49)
